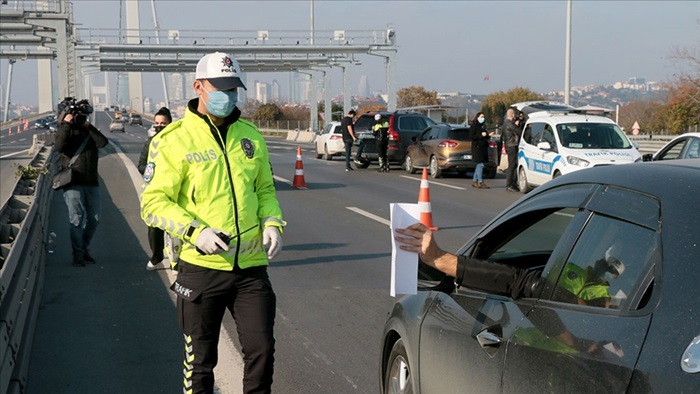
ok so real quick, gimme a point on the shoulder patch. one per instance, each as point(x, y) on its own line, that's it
point(149, 172)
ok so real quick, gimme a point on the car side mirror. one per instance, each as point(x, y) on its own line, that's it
point(544, 146)
point(647, 157)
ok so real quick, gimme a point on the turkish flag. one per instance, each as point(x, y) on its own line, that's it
point(486, 78)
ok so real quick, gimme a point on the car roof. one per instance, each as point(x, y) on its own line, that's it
point(566, 117)
point(530, 107)
point(664, 179)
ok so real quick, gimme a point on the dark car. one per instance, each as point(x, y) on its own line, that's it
point(444, 147)
point(642, 333)
point(402, 127)
point(135, 119)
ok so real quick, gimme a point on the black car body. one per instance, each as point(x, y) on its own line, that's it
point(135, 119)
point(402, 127)
point(449, 339)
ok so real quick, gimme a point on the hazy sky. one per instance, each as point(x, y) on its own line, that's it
point(443, 45)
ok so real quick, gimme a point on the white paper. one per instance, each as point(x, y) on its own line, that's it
point(404, 265)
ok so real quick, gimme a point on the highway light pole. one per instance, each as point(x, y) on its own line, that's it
point(567, 72)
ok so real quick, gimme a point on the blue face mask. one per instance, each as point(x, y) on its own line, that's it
point(481, 120)
point(221, 104)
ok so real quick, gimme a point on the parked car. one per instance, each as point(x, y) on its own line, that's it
point(559, 141)
point(402, 127)
point(135, 119)
point(644, 339)
point(684, 146)
point(116, 126)
point(52, 125)
point(444, 147)
point(42, 123)
point(329, 142)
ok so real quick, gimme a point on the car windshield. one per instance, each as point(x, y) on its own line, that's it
point(592, 136)
point(459, 135)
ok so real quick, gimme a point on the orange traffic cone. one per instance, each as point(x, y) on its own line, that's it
point(299, 181)
point(426, 215)
point(26, 125)
point(19, 129)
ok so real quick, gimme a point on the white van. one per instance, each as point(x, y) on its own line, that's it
point(558, 142)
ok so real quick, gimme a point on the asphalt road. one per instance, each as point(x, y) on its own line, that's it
point(331, 279)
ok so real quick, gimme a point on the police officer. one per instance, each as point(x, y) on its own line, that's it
point(209, 182)
point(381, 130)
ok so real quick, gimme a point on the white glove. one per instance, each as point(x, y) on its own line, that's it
point(209, 242)
point(272, 241)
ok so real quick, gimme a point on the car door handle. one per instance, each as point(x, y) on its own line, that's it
point(488, 339)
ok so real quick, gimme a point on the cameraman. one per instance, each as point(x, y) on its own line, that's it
point(82, 195)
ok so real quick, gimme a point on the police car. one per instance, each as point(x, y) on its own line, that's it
point(559, 139)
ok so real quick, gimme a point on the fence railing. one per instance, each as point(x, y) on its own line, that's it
point(23, 222)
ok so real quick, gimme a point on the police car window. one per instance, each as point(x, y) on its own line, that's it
point(548, 136)
point(534, 133)
point(609, 265)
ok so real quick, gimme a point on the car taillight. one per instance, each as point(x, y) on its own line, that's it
point(336, 137)
point(392, 134)
point(448, 144)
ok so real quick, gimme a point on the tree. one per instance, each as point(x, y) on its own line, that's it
point(370, 108)
point(268, 112)
point(651, 116)
point(416, 95)
point(684, 91)
point(496, 104)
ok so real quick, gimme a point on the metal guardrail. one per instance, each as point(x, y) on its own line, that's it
point(23, 222)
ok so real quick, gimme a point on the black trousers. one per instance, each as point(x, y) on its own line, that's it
point(382, 146)
point(511, 176)
point(203, 297)
point(156, 240)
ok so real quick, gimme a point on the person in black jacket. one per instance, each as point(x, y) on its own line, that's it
point(156, 236)
point(82, 195)
point(511, 138)
point(480, 149)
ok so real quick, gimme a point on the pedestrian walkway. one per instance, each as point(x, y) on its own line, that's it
point(109, 327)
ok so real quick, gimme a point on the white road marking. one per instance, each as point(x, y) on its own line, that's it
point(435, 183)
point(370, 215)
point(283, 180)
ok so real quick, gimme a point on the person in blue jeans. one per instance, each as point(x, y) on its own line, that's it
point(82, 196)
point(348, 136)
point(480, 145)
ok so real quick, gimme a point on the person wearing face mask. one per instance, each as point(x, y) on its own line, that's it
point(209, 183)
point(480, 145)
point(156, 236)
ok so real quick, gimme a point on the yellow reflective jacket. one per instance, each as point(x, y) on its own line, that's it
point(191, 183)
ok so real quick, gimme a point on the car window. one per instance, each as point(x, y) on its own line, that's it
point(548, 136)
point(337, 129)
point(693, 151)
point(459, 134)
point(327, 129)
point(427, 134)
point(365, 122)
point(672, 152)
point(412, 123)
point(592, 136)
point(533, 133)
point(609, 262)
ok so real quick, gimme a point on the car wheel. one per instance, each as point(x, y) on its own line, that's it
point(326, 155)
point(434, 169)
point(318, 155)
point(365, 164)
point(398, 379)
point(522, 181)
point(408, 165)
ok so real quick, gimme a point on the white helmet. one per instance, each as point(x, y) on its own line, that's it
point(377, 116)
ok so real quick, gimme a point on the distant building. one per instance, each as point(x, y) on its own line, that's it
point(363, 87)
point(275, 91)
point(176, 87)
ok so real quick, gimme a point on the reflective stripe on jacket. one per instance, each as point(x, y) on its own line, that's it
point(191, 184)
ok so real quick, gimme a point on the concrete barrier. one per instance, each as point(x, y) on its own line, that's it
point(299, 136)
point(23, 221)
